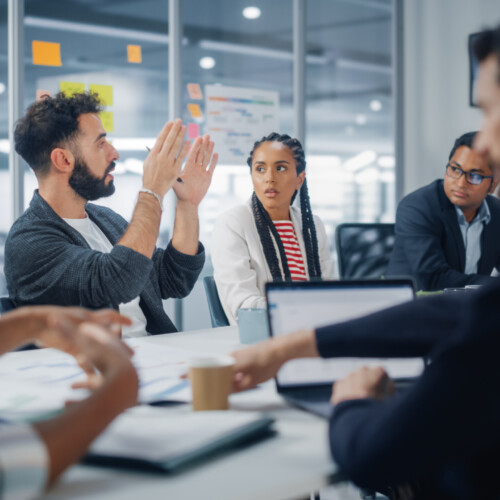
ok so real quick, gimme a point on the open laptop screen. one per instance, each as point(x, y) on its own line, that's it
point(293, 306)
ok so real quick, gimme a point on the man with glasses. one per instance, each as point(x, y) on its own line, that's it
point(447, 232)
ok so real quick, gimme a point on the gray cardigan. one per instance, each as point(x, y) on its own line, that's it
point(49, 262)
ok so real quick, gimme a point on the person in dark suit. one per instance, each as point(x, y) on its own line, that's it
point(439, 439)
point(447, 232)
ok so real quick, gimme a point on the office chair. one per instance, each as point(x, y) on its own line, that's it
point(217, 315)
point(363, 250)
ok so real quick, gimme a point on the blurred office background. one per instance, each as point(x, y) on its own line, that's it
point(384, 93)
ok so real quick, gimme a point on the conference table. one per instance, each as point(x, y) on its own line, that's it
point(290, 465)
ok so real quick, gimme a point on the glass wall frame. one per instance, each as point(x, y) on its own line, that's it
point(297, 121)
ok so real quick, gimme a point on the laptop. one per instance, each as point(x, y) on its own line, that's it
point(307, 383)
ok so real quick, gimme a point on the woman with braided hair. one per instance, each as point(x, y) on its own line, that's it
point(267, 239)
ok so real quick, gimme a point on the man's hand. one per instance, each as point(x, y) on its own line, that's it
point(363, 383)
point(57, 325)
point(163, 164)
point(255, 365)
point(197, 173)
point(260, 362)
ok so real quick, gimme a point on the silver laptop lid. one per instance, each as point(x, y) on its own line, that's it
point(296, 305)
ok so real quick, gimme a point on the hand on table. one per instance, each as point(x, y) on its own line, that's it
point(363, 383)
point(197, 172)
point(106, 360)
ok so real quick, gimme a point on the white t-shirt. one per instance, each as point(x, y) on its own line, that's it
point(97, 241)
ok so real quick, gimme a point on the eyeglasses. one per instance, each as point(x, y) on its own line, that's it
point(471, 177)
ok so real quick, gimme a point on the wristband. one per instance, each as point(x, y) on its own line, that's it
point(148, 191)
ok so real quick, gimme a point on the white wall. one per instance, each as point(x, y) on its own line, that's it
point(437, 81)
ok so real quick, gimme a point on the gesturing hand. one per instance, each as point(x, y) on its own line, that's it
point(363, 383)
point(197, 173)
point(164, 161)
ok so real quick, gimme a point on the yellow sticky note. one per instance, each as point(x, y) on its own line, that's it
point(46, 53)
point(107, 120)
point(70, 88)
point(105, 93)
point(134, 54)
point(195, 110)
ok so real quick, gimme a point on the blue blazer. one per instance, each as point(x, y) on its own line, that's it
point(442, 434)
point(429, 245)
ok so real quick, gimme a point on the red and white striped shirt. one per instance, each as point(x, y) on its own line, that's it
point(294, 258)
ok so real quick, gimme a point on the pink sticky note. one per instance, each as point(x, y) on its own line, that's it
point(40, 94)
point(193, 130)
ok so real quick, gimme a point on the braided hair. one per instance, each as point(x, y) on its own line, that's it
point(266, 227)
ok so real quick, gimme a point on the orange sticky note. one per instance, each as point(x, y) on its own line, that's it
point(195, 110)
point(46, 53)
point(134, 54)
point(194, 91)
point(40, 94)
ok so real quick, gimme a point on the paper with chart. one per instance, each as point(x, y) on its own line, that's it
point(237, 117)
point(37, 383)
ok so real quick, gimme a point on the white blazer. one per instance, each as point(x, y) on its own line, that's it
point(240, 267)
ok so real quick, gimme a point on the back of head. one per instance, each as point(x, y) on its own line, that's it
point(50, 123)
point(487, 44)
point(466, 140)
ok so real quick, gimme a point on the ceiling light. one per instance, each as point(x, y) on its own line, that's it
point(360, 119)
point(375, 105)
point(251, 12)
point(207, 62)
point(2, 88)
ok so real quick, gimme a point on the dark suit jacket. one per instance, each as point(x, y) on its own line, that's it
point(49, 262)
point(443, 433)
point(429, 245)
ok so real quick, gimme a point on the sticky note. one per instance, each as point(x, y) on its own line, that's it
point(107, 120)
point(70, 88)
point(40, 94)
point(105, 93)
point(134, 54)
point(195, 110)
point(46, 53)
point(194, 91)
point(193, 130)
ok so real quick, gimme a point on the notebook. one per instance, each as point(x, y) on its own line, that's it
point(307, 383)
point(157, 439)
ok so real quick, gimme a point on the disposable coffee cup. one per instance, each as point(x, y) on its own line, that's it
point(211, 382)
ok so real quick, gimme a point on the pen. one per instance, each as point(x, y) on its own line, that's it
point(178, 178)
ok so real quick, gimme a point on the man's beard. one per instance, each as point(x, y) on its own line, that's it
point(86, 185)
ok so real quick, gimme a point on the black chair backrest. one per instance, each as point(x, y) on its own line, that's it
point(6, 305)
point(364, 250)
point(217, 315)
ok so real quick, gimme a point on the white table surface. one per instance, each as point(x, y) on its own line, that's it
point(287, 466)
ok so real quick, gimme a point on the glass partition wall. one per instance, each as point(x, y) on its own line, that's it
point(237, 59)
